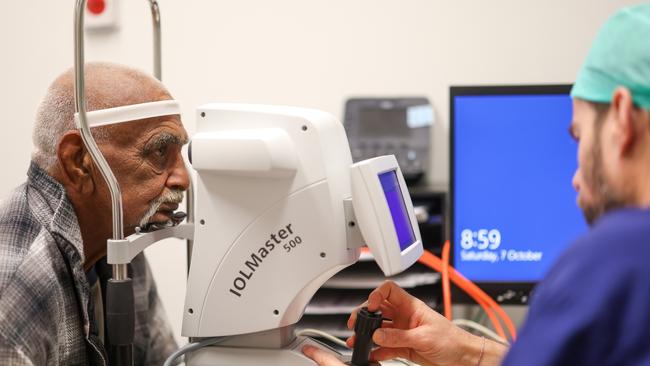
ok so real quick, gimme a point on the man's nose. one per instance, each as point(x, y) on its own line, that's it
point(179, 178)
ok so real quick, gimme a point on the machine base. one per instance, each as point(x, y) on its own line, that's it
point(291, 355)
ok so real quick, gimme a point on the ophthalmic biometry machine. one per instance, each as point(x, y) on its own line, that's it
point(281, 209)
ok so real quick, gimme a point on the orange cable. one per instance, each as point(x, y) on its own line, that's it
point(446, 290)
point(470, 288)
point(491, 315)
point(493, 304)
point(433, 262)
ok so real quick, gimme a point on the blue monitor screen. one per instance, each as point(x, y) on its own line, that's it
point(514, 208)
point(400, 216)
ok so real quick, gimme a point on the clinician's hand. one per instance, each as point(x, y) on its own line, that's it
point(419, 334)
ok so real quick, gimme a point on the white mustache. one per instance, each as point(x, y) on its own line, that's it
point(172, 196)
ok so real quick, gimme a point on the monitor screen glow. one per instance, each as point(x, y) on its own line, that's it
point(400, 216)
point(514, 208)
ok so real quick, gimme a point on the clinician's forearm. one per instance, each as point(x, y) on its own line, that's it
point(481, 351)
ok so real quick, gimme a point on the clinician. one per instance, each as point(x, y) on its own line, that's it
point(593, 308)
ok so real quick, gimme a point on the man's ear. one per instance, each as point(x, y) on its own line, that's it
point(625, 132)
point(75, 163)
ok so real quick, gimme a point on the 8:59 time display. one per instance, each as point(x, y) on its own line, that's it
point(480, 239)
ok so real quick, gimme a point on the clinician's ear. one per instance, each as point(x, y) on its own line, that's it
point(623, 112)
point(75, 163)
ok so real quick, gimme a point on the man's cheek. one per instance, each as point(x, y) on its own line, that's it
point(136, 205)
point(133, 215)
point(146, 190)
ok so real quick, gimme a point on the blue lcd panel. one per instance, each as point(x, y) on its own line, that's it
point(401, 220)
point(514, 209)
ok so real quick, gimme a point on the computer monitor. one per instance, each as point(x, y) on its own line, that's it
point(512, 205)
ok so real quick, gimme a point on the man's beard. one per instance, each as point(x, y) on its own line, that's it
point(172, 196)
point(605, 198)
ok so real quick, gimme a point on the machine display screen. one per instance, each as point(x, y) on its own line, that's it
point(400, 216)
point(514, 207)
point(383, 122)
point(391, 122)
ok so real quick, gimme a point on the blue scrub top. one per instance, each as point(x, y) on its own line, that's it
point(593, 308)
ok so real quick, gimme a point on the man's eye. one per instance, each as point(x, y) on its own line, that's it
point(159, 152)
point(158, 156)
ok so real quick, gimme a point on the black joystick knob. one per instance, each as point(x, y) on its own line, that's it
point(367, 323)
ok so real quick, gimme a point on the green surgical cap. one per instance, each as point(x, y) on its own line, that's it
point(620, 56)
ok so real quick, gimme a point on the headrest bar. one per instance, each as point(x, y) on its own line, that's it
point(128, 113)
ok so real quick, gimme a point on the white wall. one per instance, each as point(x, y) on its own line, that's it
point(298, 52)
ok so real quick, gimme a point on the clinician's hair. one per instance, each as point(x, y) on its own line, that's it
point(108, 85)
point(602, 109)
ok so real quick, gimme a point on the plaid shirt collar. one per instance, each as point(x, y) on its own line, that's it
point(63, 221)
point(63, 225)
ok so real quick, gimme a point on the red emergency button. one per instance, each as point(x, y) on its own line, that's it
point(96, 6)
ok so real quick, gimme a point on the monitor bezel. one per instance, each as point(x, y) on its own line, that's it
point(514, 292)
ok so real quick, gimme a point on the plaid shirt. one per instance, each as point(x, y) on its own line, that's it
point(44, 293)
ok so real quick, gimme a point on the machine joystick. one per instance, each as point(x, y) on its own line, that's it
point(367, 323)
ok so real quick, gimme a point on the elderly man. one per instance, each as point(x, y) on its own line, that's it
point(593, 308)
point(53, 228)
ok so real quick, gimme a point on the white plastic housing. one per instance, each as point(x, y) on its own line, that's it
point(264, 153)
point(374, 217)
point(269, 213)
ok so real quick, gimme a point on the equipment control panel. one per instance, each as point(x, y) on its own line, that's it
point(391, 126)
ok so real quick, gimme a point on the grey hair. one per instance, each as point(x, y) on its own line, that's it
point(107, 85)
point(55, 117)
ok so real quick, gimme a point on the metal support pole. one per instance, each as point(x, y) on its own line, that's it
point(89, 141)
point(190, 220)
point(157, 56)
point(119, 298)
